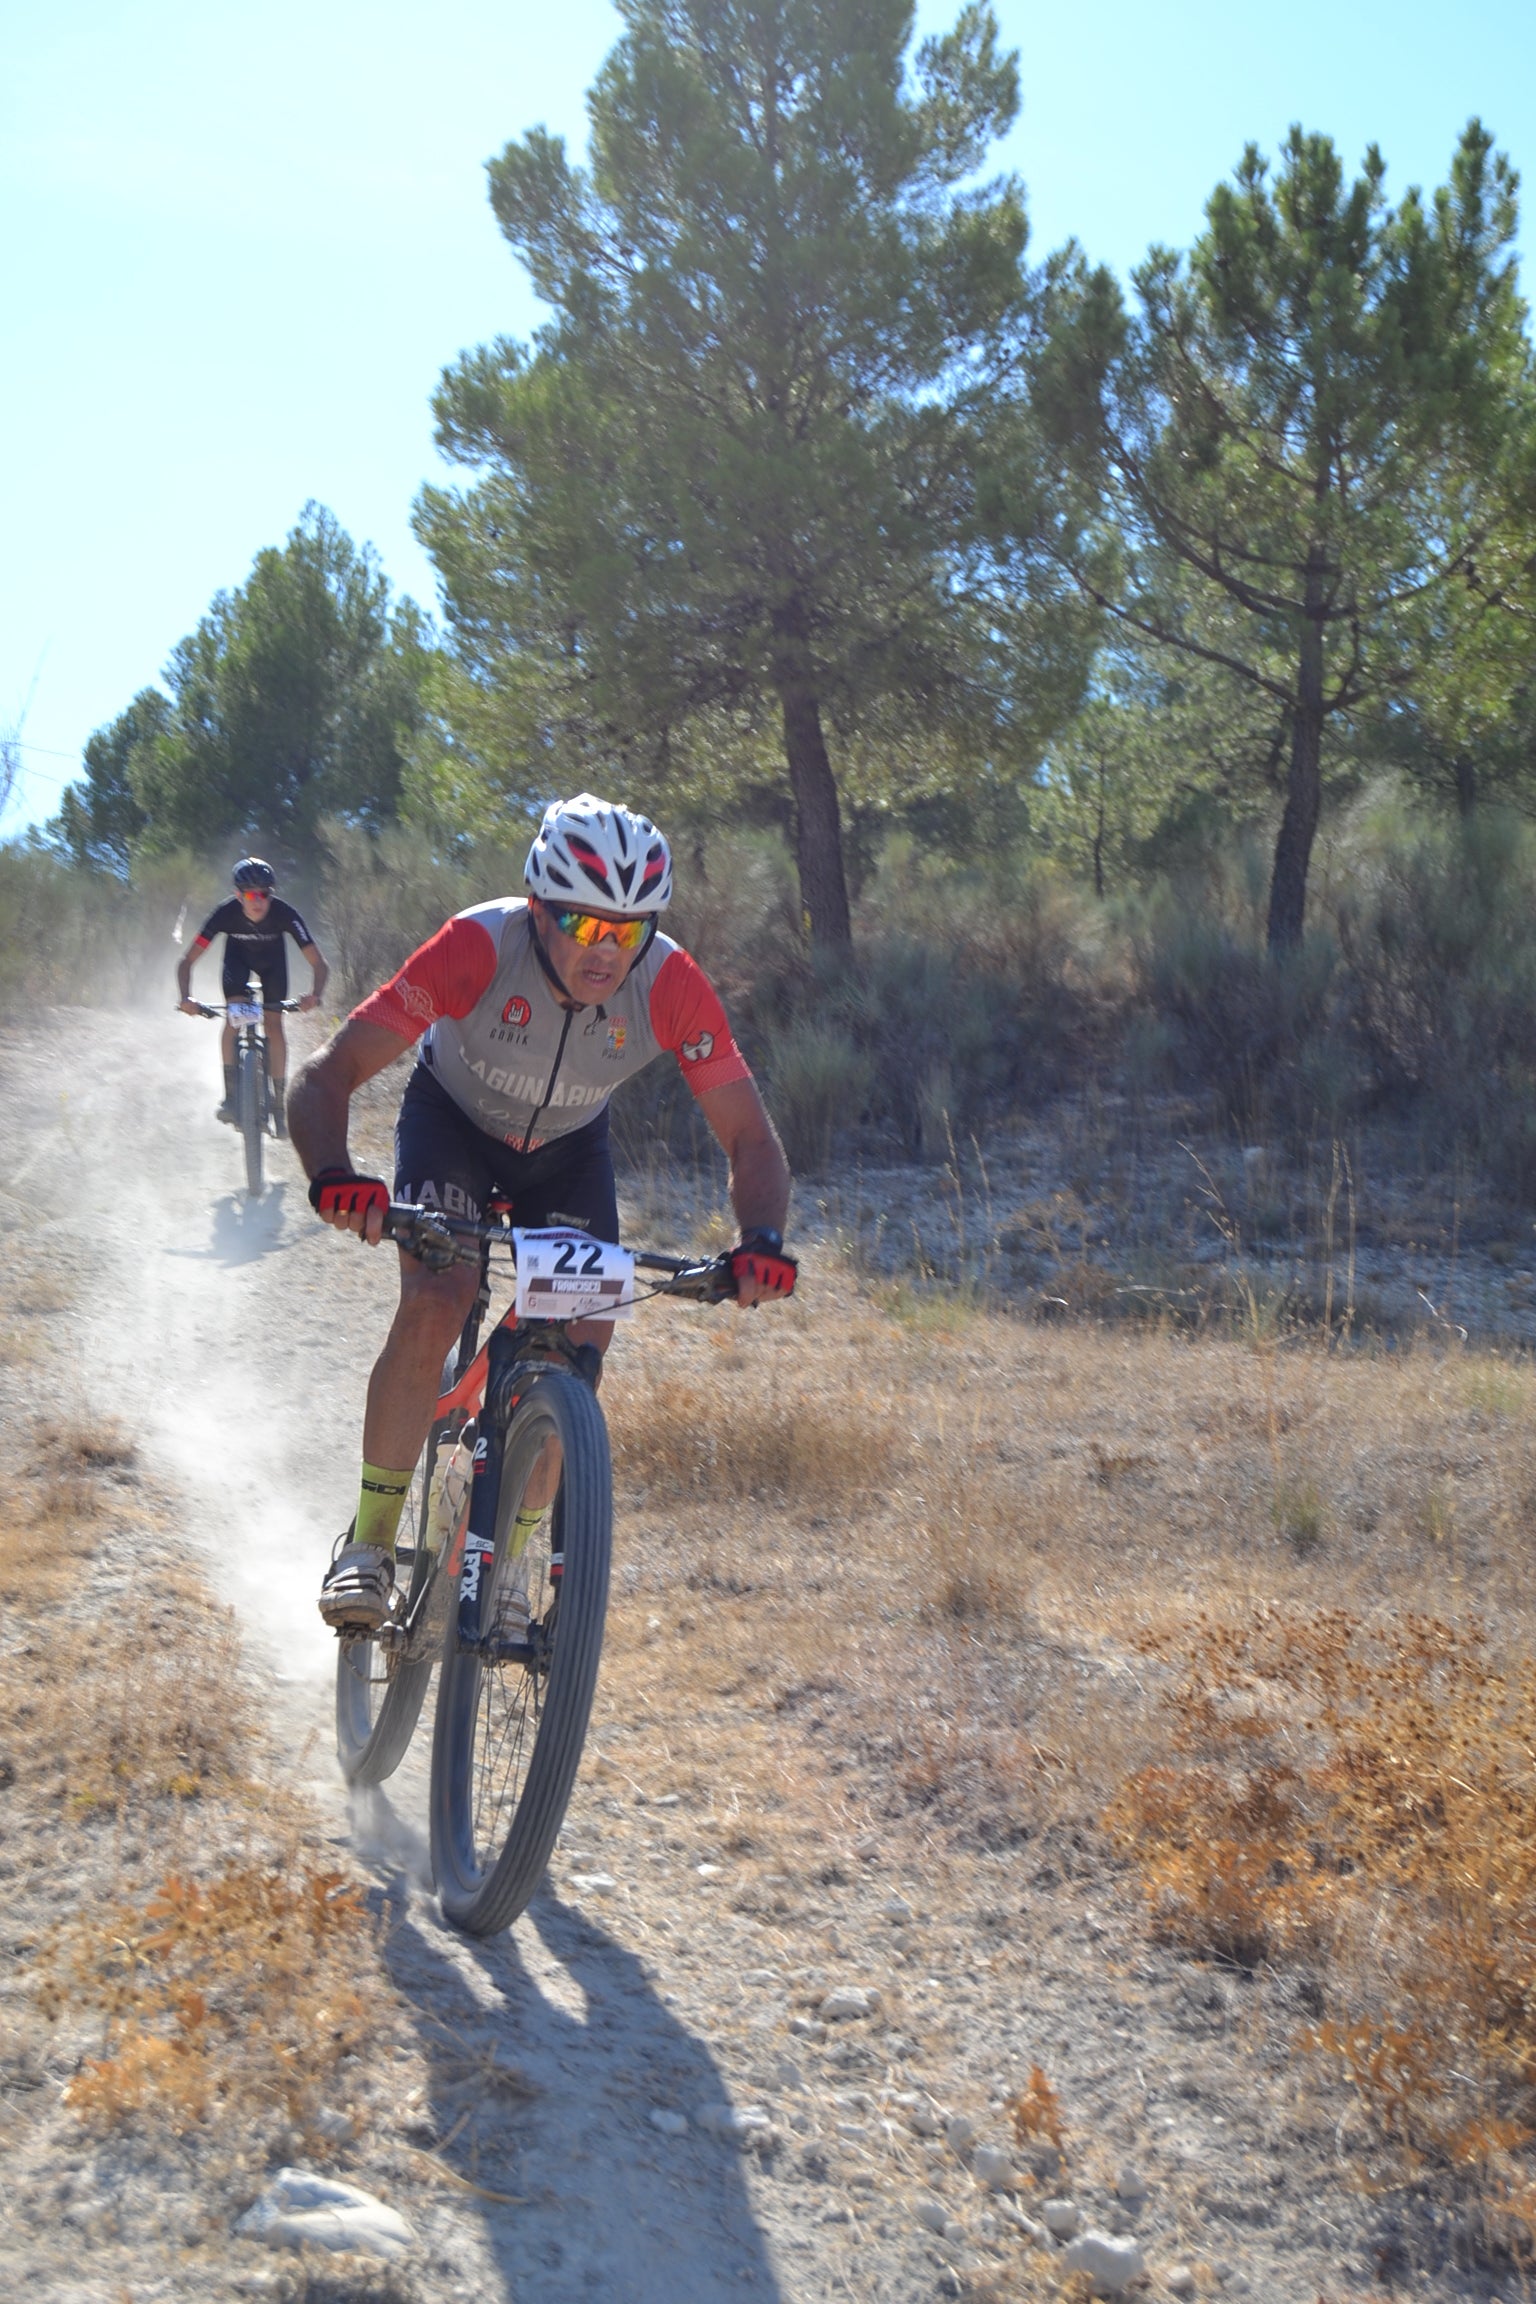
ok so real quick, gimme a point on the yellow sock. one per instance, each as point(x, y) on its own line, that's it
point(522, 1528)
point(378, 1506)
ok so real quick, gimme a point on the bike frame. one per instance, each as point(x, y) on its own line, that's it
point(249, 1032)
point(446, 1240)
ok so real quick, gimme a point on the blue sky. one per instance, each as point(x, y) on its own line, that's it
point(243, 241)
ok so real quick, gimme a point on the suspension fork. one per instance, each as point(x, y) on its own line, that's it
point(501, 1396)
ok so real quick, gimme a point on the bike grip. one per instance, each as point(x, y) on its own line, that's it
point(342, 1192)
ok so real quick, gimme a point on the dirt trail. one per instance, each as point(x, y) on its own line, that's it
point(234, 1338)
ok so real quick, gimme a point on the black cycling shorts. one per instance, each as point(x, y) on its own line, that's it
point(442, 1160)
point(271, 967)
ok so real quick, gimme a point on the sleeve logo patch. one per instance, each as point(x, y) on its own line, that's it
point(697, 1050)
point(516, 1011)
point(416, 1000)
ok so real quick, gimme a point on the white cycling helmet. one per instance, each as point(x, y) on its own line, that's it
point(589, 852)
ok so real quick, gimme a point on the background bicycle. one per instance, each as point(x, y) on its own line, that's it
point(506, 1578)
point(255, 1112)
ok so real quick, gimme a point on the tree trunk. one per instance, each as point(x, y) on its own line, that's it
point(1304, 784)
point(1465, 771)
point(818, 823)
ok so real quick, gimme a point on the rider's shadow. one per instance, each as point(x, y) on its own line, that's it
point(548, 2048)
point(244, 1230)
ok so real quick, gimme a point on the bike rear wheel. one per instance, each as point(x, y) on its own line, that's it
point(509, 1730)
point(251, 1108)
point(380, 1686)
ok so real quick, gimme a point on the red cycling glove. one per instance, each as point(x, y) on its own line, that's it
point(760, 1257)
point(341, 1192)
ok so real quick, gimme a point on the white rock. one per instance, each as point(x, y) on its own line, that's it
point(670, 2123)
point(807, 2027)
point(1061, 2218)
point(850, 2000)
point(897, 1910)
point(760, 1976)
point(335, 2127)
point(926, 2119)
point(960, 2132)
point(707, 1871)
point(1111, 2264)
point(855, 2130)
point(299, 2206)
point(933, 2213)
point(593, 1883)
point(743, 2124)
point(1131, 2187)
point(993, 2168)
point(1180, 2281)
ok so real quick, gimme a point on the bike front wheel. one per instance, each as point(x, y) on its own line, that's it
point(381, 1684)
point(512, 1715)
point(250, 1105)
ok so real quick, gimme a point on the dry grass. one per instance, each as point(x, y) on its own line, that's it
point(149, 1708)
point(75, 1477)
point(1362, 1795)
point(122, 1717)
point(1226, 1607)
point(235, 1998)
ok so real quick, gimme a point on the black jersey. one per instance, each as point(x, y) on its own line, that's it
point(252, 940)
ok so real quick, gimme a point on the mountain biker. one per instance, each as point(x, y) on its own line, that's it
point(529, 1011)
point(253, 923)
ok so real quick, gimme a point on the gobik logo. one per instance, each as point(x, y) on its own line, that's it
point(516, 1011)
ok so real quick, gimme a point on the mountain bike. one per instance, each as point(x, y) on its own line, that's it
point(253, 1085)
point(509, 1597)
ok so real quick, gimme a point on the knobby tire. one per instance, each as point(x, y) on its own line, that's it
point(250, 1105)
point(508, 1738)
point(379, 1694)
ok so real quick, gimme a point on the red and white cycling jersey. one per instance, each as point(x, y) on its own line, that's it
point(525, 1069)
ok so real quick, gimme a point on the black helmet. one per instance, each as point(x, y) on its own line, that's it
point(254, 872)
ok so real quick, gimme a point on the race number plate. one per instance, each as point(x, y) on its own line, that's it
point(567, 1275)
point(244, 1011)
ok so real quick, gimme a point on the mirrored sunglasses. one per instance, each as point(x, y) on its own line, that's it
point(587, 928)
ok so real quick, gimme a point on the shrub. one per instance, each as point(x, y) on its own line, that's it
point(383, 893)
point(72, 933)
point(1250, 1025)
point(1439, 938)
point(1359, 1794)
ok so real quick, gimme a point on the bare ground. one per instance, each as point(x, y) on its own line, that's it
point(866, 1694)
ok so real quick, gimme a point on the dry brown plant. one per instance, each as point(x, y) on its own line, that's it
point(1361, 1792)
point(76, 1475)
point(237, 1996)
point(148, 1710)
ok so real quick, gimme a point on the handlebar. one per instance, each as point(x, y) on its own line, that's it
point(440, 1240)
point(288, 1007)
